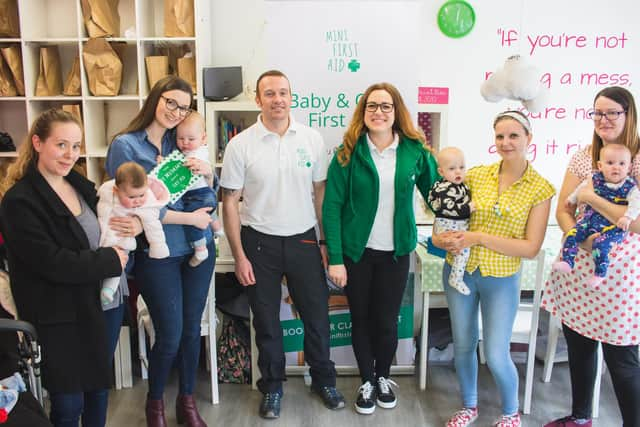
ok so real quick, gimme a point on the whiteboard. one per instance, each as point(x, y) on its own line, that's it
point(579, 48)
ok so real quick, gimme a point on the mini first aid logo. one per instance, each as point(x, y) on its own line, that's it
point(304, 158)
point(343, 51)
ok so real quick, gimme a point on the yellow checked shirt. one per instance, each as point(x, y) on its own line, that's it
point(505, 215)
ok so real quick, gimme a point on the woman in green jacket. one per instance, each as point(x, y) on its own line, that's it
point(370, 228)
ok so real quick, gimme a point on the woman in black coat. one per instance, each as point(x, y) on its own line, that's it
point(47, 217)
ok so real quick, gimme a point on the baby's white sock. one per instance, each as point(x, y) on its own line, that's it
point(201, 253)
point(106, 295)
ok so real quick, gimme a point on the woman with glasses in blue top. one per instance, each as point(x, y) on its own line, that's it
point(609, 314)
point(174, 292)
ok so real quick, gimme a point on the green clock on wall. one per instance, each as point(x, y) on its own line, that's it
point(456, 18)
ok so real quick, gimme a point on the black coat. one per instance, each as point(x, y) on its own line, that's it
point(56, 279)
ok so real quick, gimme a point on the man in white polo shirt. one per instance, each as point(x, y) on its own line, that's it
point(279, 167)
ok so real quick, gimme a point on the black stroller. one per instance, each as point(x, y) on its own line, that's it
point(22, 356)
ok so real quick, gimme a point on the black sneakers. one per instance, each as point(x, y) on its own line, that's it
point(365, 403)
point(384, 396)
point(270, 405)
point(331, 397)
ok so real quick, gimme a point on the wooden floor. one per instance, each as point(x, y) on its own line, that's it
point(238, 404)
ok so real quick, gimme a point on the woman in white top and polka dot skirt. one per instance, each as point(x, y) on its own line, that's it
point(609, 314)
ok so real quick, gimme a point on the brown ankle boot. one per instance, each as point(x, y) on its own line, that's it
point(187, 413)
point(155, 413)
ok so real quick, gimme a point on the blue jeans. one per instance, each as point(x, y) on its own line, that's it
point(193, 200)
point(175, 294)
point(499, 298)
point(67, 408)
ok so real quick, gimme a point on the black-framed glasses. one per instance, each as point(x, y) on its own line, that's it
point(372, 107)
point(172, 105)
point(610, 115)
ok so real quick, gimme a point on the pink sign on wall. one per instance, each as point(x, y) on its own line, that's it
point(433, 95)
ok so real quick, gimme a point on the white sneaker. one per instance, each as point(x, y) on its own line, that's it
point(365, 403)
point(384, 396)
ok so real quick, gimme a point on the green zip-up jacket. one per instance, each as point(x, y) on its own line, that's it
point(351, 199)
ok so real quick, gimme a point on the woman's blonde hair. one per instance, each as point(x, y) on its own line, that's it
point(27, 155)
point(629, 136)
point(403, 124)
point(147, 113)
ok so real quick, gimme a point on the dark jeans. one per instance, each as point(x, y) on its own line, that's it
point(375, 286)
point(623, 365)
point(192, 200)
point(298, 258)
point(175, 294)
point(67, 408)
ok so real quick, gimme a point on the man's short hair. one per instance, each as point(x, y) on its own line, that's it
point(270, 73)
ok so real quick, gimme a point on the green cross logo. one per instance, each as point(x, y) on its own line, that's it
point(353, 65)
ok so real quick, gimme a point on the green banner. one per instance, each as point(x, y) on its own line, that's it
point(340, 327)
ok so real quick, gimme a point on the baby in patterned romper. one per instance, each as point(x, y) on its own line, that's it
point(612, 181)
point(451, 203)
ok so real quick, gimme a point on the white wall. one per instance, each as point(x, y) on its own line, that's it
point(238, 36)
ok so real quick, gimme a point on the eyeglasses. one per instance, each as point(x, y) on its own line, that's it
point(172, 105)
point(610, 115)
point(372, 107)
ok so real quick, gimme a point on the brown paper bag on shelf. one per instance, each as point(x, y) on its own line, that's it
point(178, 18)
point(75, 110)
point(119, 48)
point(72, 83)
point(187, 71)
point(103, 68)
point(101, 17)
point(157, 68)
point(7, 86)
point(81, 167)
point(13, 58)
point(50, 77)
point(9, 21)
point(173, 51)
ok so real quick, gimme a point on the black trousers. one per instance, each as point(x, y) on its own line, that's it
point(375, 286)
point(624, 366)
point(298, 259)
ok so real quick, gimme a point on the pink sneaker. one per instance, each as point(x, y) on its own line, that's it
point(569, 421)
point(463, 418)
point(508, 421)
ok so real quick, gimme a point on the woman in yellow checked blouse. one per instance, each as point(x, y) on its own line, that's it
point(512, 208)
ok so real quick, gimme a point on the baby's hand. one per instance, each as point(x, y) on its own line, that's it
point(624, 223)
point(472, 206)
point(158, 189)
point(568, 204)
point(159, 159)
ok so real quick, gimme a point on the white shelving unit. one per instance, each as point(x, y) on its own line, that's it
point(60, 23)
point(239, 110)
point(438, 140)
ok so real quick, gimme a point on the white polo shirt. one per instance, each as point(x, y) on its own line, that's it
point(277, 175)
point(381, 237)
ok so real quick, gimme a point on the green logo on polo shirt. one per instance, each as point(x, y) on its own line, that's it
point(304, 158)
